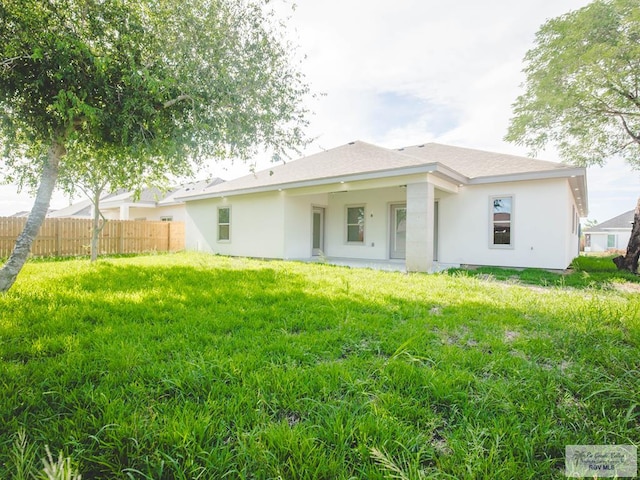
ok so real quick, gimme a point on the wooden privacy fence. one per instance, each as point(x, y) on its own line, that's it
point(72, 236)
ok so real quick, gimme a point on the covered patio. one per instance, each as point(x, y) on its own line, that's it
point(393, 265)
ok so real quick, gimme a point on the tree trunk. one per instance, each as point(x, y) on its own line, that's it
point(20, 253)
point(630, 260)
point(97, 227)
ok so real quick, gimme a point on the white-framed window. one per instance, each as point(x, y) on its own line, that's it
point(501, 223)
point(168, 218)
point(224, 224)
point(611, 241)
point(355, 223)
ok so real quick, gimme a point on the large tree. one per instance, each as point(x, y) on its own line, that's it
point(162, 82)
point(582, 92)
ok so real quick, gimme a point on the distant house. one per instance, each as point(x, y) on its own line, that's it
point(612, 234)
point(421, 206)
point(81, 209)
point(149, 204)
point(20, 214)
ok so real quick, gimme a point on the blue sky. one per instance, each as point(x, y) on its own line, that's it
point(414, 71)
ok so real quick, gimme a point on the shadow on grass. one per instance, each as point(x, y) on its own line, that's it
point(251, 369)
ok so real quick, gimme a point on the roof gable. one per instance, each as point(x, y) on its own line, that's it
point(621, 222)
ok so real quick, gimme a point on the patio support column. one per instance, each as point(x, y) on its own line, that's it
point(124, 212)
point(419, 249)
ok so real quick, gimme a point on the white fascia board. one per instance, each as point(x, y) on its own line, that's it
point(433, 168)
point(172, 203)
point(518, 177)
point(127, 204)
point(576, 176)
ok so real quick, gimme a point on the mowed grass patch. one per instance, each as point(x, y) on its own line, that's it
point(196, 366)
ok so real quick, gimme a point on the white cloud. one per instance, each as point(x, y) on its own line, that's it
point(461, 60)
point(12, 201)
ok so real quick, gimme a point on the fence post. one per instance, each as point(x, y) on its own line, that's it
point(121, 235)
point(58, 233)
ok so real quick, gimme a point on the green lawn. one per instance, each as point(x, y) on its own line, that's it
point(194, 366)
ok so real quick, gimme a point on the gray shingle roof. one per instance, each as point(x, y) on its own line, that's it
point(350, 159)
point(360, 157)
point(478, 163)
point(156, 196)
point(622, 221)
point(171, 196)
point(81, 209)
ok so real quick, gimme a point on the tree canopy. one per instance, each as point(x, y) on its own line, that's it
point(159, 84)
point(582, 93)
point(582, 86)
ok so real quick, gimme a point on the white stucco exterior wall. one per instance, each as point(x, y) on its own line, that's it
point(257, 225)
point(279, 224)
point(540, 225)
point(572, 239)
point(298, 223)
point(151, 213)
point(600, 240)
point(376, 231)
point(156, 213)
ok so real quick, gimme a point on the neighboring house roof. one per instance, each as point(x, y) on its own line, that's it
point(360, 160)
point(81, 209)
point(148, 197)
point(21, 213)
point(154, 196)
point(621, 222)
point(171, 196)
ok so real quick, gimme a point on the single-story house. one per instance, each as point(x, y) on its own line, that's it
point(424, 205)
point(614, 234)
point(148, 204)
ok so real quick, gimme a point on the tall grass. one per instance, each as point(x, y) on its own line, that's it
point(193, 366)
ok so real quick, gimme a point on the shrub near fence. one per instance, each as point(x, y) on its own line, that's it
point(72, 236)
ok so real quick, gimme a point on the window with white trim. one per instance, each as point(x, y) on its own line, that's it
point(611, 241)
point(355, 224)
point(224, 224)
point(501, 221)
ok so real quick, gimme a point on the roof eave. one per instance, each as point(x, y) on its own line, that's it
point(539, 175)
point(576, 175)
point(435, 168)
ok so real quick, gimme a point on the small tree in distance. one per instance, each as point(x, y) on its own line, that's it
point(164, 84)
point(582, 92)
point(96, 173)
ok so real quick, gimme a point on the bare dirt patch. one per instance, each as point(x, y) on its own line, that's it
point(627, 287)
